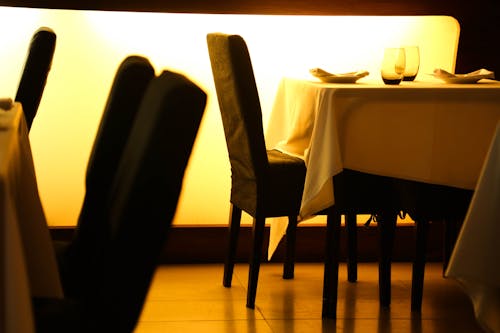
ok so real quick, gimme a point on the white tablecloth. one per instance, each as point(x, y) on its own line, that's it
point(28, 266)
point(476, 256)
point(425, 131)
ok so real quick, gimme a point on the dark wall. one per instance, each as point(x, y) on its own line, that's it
point(479, 19)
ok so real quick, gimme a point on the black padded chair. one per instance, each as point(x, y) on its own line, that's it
point(265, 183)
point(426, 203)
point(359, 193)
point(141, 206)
point(35, 72)
point(130, 82)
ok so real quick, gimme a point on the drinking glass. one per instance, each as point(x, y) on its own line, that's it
point(412, 55)
point(393, 65)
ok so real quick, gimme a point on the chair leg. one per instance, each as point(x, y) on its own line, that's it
point(234, 229)
point(255, 257)
point(291, 231)
point(387, 226)
point(352, 248)
point(417, 280)
point(331, 277)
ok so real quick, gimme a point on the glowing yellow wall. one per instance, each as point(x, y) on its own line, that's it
point(90, 46)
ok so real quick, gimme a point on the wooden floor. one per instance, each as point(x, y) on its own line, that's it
point(191, 298)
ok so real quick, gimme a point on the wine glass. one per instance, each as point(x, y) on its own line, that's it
point(412, 55)
point(393, 65)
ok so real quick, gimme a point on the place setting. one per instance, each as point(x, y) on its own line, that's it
point(468, 78)
point(349, 77)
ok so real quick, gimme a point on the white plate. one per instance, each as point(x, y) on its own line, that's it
point(350, 77)
point(472, 77)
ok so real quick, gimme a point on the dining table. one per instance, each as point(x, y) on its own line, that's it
point(28, 263)
point(426, 130)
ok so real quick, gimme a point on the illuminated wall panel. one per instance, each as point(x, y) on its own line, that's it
point(90, 46)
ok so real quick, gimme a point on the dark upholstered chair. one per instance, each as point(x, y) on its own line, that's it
point(427, 203)
point(130, 82)
point(264, 183)
point(142, 204)
point(35, 72)
point(144, 197)
point(359, 193)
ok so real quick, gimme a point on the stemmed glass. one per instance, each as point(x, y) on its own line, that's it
point(412, 55)
point(393, 65)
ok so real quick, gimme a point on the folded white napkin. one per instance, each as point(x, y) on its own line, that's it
point(486, 74)
point(349, 77)
point(471, 77)
point(319, 73)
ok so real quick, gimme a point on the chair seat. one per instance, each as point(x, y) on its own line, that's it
point(285, 184)
point(281, 192)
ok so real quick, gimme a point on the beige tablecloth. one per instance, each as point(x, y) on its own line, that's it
point(430, 132)
point(425, 131)
point(28, 266)
point(476, 256)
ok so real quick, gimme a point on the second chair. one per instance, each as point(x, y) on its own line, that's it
point(265, 183)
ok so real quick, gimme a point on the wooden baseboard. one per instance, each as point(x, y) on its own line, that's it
point(207, 244)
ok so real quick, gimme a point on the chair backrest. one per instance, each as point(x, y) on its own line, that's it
point(131, 80)
point(239, 105)
point(144, 198)
point(35, 72)
point(126, 93)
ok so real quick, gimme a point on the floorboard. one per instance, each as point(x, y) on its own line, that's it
point(191, 298)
